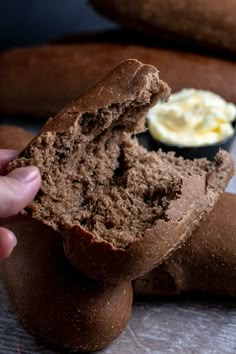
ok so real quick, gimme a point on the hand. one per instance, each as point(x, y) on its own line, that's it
point(17, 189)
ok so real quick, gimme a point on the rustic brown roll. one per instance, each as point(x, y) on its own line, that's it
point(206, 264)
point(52, 300)
point(190, 269)
point(39, 81)
point(13, 137)
point(120, 208)
point(206, 23)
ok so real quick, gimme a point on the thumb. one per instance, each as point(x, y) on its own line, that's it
point(18, 189)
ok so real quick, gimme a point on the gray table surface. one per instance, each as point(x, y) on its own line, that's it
point(160, 326)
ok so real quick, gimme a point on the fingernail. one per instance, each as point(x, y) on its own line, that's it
point(25, 174)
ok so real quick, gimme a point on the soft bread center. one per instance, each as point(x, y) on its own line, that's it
point(112, 189)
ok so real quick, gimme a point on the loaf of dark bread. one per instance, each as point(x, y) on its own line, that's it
point(40, 81)
point(52, 300)
point(121, 209)
point(209, 24)
point(206, 264)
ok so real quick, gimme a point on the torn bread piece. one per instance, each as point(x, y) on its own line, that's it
point(121, 209)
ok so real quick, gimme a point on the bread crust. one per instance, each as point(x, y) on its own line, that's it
point(49, 77)
point(206, 264)
point(52, 300)
point(178, 20)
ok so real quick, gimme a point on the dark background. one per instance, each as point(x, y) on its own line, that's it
point(27, 22)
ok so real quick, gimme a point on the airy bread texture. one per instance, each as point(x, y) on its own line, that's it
point(50, 76)
point(121, 209)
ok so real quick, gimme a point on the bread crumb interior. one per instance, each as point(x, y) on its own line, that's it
point(95, 176)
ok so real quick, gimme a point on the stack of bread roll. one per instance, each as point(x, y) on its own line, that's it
point(36, 82)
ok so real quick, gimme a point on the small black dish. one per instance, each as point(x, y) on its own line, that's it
point(208, 151)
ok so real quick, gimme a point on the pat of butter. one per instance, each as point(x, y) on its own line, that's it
point(192, 118)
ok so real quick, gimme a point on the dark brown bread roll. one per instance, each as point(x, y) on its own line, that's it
point(53, 301)
point(41, 80)
point(207, 23)
point(120, 208)
point(13, 137)
point(190, 269)
point(205, 264)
